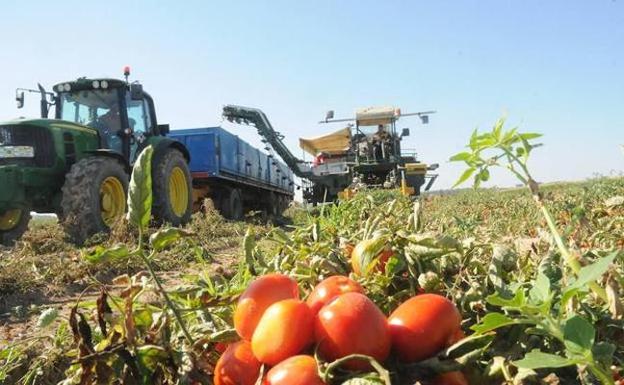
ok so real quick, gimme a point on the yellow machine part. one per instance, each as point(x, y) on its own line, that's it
point(346, 194)
point(415, 168)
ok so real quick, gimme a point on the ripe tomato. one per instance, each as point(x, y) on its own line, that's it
point(422, 326)
point(329, 289)
point(296, 370)
point(370, 255)
point(450, 378)
point(259, 295)
point(284, 330)
point(352, 324)
point(237, 366)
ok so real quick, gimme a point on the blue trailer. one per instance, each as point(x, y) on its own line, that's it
point(235, 175)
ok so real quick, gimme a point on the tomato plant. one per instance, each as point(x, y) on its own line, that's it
point(296, 370)
point(285, 329)
point(352, 324)
point(259, 295)
point(237, 366)
point(422, 326)
point(329, 289)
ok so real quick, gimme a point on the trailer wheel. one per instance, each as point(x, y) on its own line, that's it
point(171, 185)
point(13, 223)
point(94, 197)
point(233, 205)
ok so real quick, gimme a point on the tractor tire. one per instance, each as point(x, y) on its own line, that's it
point(233, 205)
point(13, 223)
point(94, 197)
point(172, 189)
point(273, 205)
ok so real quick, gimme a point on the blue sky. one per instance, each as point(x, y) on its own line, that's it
point(553, 67)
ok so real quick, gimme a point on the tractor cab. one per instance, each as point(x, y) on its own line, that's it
point(122, 113)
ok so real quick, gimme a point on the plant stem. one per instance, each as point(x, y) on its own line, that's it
point(604, 378)
point(170, 304)
point(574, 264)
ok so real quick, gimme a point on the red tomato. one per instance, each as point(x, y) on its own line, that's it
point(422, 326)
point(297, 370)
point(370, 255)
point(259, 295)
point(352, 324)
point(237, 366)
point(450, 378)
point(284, 330)
point(329, 289)
point(220, 347)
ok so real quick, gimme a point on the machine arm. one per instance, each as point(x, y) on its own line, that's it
point(255, 117)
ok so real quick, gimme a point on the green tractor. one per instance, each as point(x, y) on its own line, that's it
point(78, 164)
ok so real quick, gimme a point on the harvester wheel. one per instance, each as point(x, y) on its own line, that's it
point(13, 223)
point(94, 197)
point(172, 188)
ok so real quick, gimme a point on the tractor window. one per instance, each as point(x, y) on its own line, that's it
point(137, 116)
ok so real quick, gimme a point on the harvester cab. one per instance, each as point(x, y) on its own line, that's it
point(77, 164)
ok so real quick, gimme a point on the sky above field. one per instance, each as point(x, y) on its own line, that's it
point(553, 67)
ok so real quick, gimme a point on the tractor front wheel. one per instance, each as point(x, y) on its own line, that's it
point(94, 197)
point(172, 188)
point(13, 223)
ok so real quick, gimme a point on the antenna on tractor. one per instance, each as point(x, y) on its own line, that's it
point(126, 71)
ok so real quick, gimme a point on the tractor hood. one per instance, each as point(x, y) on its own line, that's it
point(51, 124)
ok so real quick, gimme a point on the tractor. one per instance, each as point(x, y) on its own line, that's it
point(78, 163)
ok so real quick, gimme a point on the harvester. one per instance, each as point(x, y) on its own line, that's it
point(365, 154)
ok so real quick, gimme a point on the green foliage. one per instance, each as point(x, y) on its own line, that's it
point(140, 190)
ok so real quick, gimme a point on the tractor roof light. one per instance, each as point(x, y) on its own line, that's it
point(104, 84)
point(95, 84)
point(126, 72)
point(66, 87)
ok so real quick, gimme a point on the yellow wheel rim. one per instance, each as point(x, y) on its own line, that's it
point(178, 192)
point(112, 200)
point(10, 219)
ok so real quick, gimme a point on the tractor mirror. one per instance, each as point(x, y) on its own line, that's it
point(424, 119)
point(136, 91)
point(405, 132)
point(329, 115)
point(163, 129)
point(19, 98)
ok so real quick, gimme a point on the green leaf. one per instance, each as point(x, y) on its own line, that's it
point(47, 317)
point(163, 238)
point(100, 254)
point(541, 289)
point(603, 352)
point(363, 381)
point(516, 302)
point(461, 157)
point(529, 135)
point(140, 190)
point(468, 346)
point(473, 139)
point(592, 272)
point(578, 335)
point(151, 355)
point(491, 322)
point(536, 360)
point(464, 177)
point(498, 129)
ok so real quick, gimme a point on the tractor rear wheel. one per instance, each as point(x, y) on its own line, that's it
point(172, 188)
point(13, 223)
point(94, 197)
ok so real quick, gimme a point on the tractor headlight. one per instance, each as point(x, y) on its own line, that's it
point(104, 84)
point(59, 88)
point(66, 87)
point(95, 84)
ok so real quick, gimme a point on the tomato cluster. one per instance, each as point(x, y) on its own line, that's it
point(337, 320)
